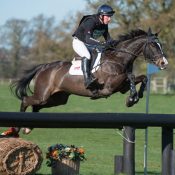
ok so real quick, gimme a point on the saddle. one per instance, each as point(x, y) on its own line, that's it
point(75, 68)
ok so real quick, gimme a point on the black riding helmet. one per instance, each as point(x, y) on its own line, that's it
point(105, 10)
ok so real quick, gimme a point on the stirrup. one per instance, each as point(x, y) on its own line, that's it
point(89, 83)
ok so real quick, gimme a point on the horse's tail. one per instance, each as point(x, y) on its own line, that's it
point(21, 87)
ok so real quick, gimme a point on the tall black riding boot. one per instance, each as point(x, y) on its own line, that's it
point(86, 71)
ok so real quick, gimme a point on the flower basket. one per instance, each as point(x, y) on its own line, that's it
point(66, 167)
point(64, 159)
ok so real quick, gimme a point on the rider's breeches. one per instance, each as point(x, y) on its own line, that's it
point(80, 48)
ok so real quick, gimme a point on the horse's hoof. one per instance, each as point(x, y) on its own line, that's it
point(129, 102)
point(136, 99)
point(26, 130)
point(140, 95)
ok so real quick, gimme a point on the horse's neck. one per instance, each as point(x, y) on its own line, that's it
point(135, 46)
point(126, 52)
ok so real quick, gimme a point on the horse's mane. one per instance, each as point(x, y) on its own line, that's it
point(132, 34)
point(124, 37)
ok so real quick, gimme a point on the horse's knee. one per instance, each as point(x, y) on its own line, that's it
point(145, 80)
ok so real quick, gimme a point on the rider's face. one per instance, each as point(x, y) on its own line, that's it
point(106, 19)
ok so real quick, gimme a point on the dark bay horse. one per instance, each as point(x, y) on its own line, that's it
point(53, 84)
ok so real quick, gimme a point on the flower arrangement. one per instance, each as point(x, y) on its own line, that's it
point(59, 151)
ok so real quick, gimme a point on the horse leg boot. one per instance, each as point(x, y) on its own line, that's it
point(142, 87)
point(89, 80)
point(133, 98)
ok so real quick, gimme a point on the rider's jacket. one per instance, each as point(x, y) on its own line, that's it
point(90, 29)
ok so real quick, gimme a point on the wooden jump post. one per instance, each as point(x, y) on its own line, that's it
point(104, 120)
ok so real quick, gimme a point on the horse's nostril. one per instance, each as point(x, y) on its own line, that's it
point(162, 63)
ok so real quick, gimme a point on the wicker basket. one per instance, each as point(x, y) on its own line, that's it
point(19, 157)
point(66, 167)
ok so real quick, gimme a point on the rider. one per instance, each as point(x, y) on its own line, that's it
point(91, 27)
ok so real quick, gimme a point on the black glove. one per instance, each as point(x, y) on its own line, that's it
point(112, 43)
point(104, 45)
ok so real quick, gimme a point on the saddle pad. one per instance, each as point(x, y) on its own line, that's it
point(75, 68)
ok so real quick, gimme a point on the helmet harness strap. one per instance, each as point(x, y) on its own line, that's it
point(102, 18)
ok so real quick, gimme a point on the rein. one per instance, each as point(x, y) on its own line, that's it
point(125, 51)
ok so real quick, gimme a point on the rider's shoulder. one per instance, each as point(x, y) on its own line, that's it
point(92, 17)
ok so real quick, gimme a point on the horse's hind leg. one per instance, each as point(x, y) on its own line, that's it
point(28, 130)
point(13, 131)
point(59, 98)
point(32, 101)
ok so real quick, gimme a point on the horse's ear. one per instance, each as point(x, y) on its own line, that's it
point(157, 33)
point(149, 32)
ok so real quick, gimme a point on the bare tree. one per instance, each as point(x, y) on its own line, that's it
point(14, 40)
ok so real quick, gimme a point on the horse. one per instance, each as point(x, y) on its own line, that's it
point(54, 84)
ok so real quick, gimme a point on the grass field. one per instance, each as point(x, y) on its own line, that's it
point(101, 145)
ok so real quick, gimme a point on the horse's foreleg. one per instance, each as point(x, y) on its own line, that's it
point(144, 81)
point(133, 91)
point(133, 98)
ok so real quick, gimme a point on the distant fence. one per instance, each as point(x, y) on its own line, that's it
point(5, 81)
point(162, 85)
point(159, 84)
point(104, 120)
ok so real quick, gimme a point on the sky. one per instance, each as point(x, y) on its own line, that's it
point(27, 9)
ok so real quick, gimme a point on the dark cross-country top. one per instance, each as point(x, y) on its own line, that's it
point(90, 29)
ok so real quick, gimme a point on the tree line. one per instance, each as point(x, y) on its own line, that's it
point(42, 39)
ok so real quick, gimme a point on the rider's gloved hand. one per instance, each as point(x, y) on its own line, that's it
point(104, 45)
point(112, 43)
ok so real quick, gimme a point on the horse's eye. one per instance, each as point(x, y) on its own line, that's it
point(153, 44)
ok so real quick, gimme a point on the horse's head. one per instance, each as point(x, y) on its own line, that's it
point(153, 52)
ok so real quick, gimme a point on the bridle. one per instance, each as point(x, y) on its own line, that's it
point(153, 57)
